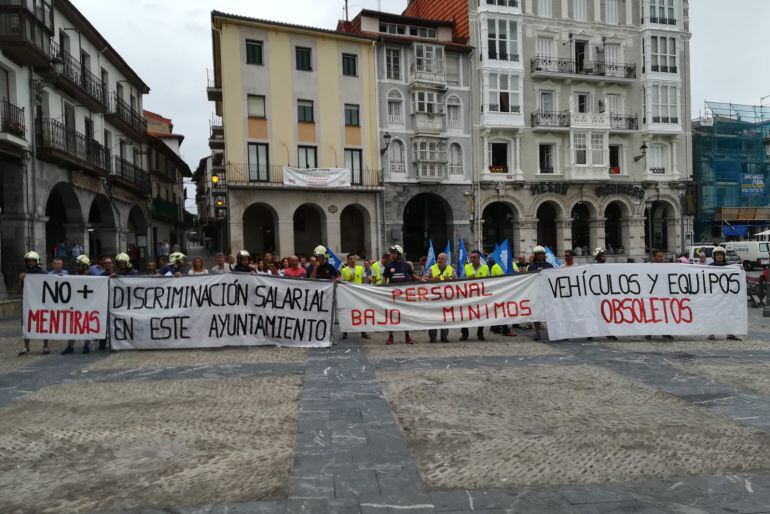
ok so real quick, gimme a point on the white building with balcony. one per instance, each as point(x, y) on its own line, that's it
point(424, 81)
point(72, 140)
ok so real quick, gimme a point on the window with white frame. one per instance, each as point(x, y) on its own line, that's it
point(580, 10)
point(256, 106)
point(498, 157)
point(502, 40)
point(583, 102)
point(454, 113)
point(547, 103)
point(395, 108)
point(662, 11)
point(656, 158)
point(580, 147)
point(597, 148)
point(353, 160)
point(307, 157)
point(545, 8)
point(397, 157)
point(546, 157)
point(665, 100)
point(504, 92)
point(455, 159)
point(545, 47)
point(612, 12)
point(425, 102)
point(615, 104)
point(393, 63)
point(430, 157)
point(428, 58)
point(612, 53)
point(453, 70)
point(663, 54)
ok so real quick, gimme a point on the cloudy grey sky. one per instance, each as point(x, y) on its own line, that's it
point(168, 43)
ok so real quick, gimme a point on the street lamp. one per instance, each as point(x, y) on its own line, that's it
point(386, 137)
point(643, 149)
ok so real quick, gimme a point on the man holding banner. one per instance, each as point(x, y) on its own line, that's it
point(31, 267)
point(398, 272)
point(354, 273)
point(475, 270)
point(439, 272)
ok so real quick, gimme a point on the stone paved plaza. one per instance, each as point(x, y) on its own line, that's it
point(507, 425)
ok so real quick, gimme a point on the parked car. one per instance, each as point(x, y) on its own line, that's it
point(733, 258)
point(753, 254)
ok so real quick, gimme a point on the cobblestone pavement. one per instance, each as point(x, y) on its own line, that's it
point(507, 425)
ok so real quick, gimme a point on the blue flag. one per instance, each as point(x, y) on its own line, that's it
point(502, 255)
point(333, 259)
point(550, 257)
point(431, 259)
point(448, 252)
point(462, 259)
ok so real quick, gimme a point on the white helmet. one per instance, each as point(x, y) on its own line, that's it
point(598, 252)
point(83, 260)
point(32, 256)
point(319, 250)
point(719, 249)
point(176, 258)
point(538, 249)
point(397, 249)
point(244, 253)
point(122, 257)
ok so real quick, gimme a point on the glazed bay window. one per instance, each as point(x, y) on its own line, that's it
point(664, 102)
point(662, 12)
point(258, 159)
point(580, 148)
point(429, 58)
point(498, 157)
point(502, 40)
point(353, 162)
point(305, 111)
point(393, 63)
point(431, 158)
point(597, 148)
point(352, 118)
point(425, 102)
point(546, 157)
point(663, 54)
point(504, 93)
point(307, 157)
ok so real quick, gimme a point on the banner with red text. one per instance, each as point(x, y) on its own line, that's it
point(644, 299)
point(68, 307)
point(453, 304)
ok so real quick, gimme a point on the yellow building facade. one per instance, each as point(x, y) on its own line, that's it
point(303, 98)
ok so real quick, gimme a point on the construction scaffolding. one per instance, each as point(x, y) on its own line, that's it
point(731, 170)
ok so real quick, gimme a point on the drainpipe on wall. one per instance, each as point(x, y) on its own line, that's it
point(32, 167)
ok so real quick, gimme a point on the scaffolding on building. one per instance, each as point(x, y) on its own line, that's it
point(731, 170)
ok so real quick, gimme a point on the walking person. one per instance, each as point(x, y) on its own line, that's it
point(475, 269)
point(398, 271)
point(538, 264)
point(31, 267)
point(437, 273)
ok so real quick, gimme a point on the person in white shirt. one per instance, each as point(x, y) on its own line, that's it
point(197, 267)
point(222, 265)
point(569, 259)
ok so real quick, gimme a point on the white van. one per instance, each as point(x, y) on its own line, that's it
point(753, 254)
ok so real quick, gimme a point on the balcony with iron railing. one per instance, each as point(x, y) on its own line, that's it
point(12, 119)
point(624, 122)
point(121, 114)
point(216, 134)
point(130, 175)
point(271, 176)
point(74, 78)
point(430, 73)
point(26, 27)
point(545, 67)
point(61, 145)
point(550, 120)
point(213, 86)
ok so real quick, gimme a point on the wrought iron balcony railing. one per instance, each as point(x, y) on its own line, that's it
point(12, 119)
point(590, 68)
point(558, 119)
point(127, 114)
point(624, 122)
point(131, 173)
point(76, 73)
point(74, 146)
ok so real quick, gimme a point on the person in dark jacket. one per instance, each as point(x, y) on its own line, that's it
point(538, 264)
point(243, 263)
point(31, 267)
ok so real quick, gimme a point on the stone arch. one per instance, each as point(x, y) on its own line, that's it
point(102, 230)
point(500, 221)
point(427, 216)
point(549, 214)
point(137, 234)
point(65, 218)
point(260, 228)
point(355, 234)
point(309, 228)
point(557, 200)
point(617, 215)
point(583, 216)
point(660, 227)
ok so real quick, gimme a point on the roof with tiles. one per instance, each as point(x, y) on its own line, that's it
point(456, 10)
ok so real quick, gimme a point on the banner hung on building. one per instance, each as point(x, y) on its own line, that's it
point(219, 310)
point(636, 300)
point(421, 306)
point(69, 307)
point(316, 177)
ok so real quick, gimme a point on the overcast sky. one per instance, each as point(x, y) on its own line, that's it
point(168, 43)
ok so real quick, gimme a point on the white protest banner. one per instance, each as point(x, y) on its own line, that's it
point(207, 311)
point(451, 304)
point(644, 299)
point(65, 307)
point(316, 177)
